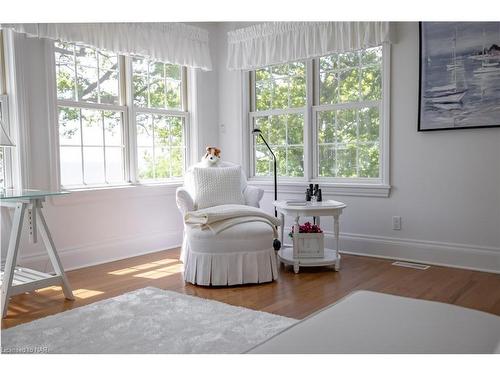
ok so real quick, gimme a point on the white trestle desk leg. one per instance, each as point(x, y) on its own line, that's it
point(336, 233)
point(51, 250)
point(10, 263)
point(32, 222)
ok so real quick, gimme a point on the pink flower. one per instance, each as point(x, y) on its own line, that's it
point(307, 228)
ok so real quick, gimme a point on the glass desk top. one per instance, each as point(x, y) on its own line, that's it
point(13, 194)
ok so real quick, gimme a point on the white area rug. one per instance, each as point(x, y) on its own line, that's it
point(148, 320)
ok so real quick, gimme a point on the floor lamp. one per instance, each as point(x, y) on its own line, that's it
point(258, 133)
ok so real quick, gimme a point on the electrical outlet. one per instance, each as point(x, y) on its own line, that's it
point(396, 222)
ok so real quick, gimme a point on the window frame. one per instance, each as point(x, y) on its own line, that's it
point(128, 111)
point(254, 114)
point(342, 186)
point(120, 107)
point(133, 110)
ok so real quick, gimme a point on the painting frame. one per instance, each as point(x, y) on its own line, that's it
point(420, 128)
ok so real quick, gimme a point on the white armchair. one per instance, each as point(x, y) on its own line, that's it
point(240, 254)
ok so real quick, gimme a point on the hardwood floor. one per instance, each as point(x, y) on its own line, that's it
point(292, 295)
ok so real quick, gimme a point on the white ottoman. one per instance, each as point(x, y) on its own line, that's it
point(375, 323)
point(241, 254)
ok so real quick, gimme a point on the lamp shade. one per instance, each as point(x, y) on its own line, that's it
point(5, 140)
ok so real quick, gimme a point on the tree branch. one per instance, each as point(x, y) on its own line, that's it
point(93, 85)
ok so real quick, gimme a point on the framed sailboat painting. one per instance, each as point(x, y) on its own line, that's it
point(459, 75)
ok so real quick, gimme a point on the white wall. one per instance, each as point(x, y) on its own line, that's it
point(230, 99)
point(96, 226)
point(207, 99)
point(445, 185)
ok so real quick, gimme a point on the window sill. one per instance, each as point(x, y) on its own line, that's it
point(88, 188)
point(330, 188)
point(94, 194)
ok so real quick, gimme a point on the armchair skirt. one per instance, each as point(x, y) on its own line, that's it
point(241, 254)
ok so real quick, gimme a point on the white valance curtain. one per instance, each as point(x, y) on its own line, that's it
point(280, 42)
point(174, 43)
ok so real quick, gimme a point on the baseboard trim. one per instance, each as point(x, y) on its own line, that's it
point(478, 258)
point(105, 251)
point(471, 257)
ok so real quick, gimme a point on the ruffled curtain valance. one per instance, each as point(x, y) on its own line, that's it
point(280, 42)
point(174, 43)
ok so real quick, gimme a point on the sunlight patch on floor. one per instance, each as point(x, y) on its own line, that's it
point(142, 267)
point(161, 272)
point(173, 268)
point(86, 293)
point(51, 288)
point(16, 309)
point(166, 261)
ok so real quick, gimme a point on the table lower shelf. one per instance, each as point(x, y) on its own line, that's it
point(285, 255)
point(26, 279)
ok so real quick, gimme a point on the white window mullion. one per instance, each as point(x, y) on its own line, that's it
point(360, 93)
point(104, 149)
point(314, 165)
point(165, 86)
point(130, 123)
point(76, 74)
point(309, 133)
point(349, 105)
point(90, 105)
point(186, 138)
point(81, 146)
point(357, 142)
point(278, 112)
point(384, 110)
point(153, 133)
point(336, 143)
point(98, 78)
point(170, 149)
point(125, 118)
point(148, 87)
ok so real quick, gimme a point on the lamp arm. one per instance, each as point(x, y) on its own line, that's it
point(269, 148)
point(275, 174)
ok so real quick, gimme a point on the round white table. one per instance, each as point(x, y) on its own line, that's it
point(316, 210)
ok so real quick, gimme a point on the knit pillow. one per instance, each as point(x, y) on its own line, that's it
point(216, 186)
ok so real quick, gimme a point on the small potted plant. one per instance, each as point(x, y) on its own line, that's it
point(308, 242)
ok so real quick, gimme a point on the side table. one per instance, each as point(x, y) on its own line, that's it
point(315, 209)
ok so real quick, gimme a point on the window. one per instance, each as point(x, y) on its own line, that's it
point(98, 124)
point(278, 111)
point(348, 115)
point(160, 119)
point(91, 119)
point(343, 137)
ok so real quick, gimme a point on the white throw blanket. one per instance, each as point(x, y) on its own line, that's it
point(219, 218)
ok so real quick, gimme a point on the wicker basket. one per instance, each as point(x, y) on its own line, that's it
point(308, 245)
